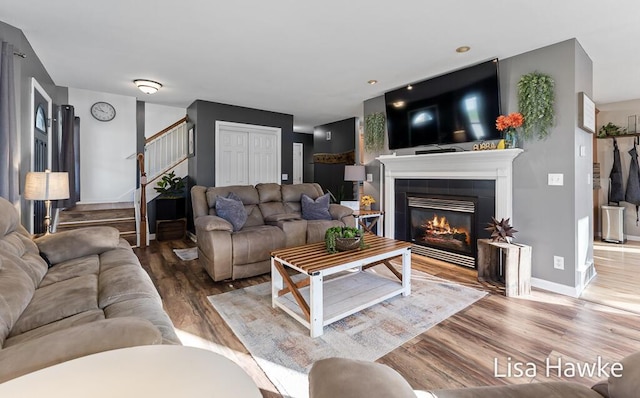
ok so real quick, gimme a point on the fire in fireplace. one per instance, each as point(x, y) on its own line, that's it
point(444, 228)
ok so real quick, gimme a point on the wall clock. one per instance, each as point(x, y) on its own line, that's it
point(103, 111)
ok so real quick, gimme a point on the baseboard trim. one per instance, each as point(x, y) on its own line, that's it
point(555, 287)
point(633, 238)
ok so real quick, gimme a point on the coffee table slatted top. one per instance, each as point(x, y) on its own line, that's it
point(314, 257)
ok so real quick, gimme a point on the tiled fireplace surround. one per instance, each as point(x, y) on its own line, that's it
point(486, 175)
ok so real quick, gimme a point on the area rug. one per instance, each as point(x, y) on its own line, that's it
point(283, 348)
point(187, 254)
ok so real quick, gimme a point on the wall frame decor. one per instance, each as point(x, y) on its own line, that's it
point(586, 113)
point(191, 143)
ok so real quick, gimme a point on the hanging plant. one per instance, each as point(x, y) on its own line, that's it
point(536, 98)
point(374, 127)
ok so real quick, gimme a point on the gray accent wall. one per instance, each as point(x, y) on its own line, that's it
point(547, 216)
point(204, 114)
point(343, 139)
point(25, 69)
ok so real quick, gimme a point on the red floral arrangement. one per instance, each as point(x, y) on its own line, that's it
point(510, 121)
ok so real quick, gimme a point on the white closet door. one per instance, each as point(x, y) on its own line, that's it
point(298, 166)
point(233, 158)
point(263, 158)
point(246, 154)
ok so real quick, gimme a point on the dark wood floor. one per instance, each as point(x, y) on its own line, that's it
point(459, 352)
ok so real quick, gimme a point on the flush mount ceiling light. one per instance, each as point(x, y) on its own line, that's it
point(463, 49)
point(147, 86)
point(372, 81)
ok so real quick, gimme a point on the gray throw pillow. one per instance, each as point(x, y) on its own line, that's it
point(232, 210)
point(315, 209)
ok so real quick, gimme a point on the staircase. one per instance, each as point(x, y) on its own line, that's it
point(164, 152)
point(118, 215)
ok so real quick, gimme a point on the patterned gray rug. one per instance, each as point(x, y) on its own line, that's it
point(285, 351)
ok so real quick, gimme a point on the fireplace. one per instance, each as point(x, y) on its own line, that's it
point(443, 227)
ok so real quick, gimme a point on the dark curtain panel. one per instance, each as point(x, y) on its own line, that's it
point(9, 173)
point(69, 154)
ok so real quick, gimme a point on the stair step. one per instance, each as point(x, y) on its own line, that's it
point(95, 215)
point(120, 225)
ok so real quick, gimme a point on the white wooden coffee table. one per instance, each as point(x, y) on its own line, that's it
point(315, 302)
point(145, 371)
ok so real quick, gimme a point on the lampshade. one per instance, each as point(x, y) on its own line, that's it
point(147, 86)
point(45, 185)
point(354, 173)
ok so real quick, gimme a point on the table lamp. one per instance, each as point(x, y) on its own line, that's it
point(355, 173)
point(47, 186)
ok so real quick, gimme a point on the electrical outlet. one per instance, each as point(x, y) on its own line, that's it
point(556, 179)
point(369, 177)
point(589, 178)
point(558, 262)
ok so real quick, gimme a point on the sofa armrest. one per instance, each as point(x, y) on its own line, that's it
point(342, 213)
point(76, 243)
point(213, 223)
point(75, 342)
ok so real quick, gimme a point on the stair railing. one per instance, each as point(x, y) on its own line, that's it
point(164, 150)
point(142, 206)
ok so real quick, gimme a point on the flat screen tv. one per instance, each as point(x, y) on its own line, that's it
point(461, 106)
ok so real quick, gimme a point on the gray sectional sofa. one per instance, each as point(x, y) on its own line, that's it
point(274, 221)
point(71, 294)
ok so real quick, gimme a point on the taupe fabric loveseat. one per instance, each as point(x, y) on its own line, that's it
point(274, 221)
point(95, 297)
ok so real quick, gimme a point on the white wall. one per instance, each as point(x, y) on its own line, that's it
point(106, 175)
point(617, 113)
point(158, 117)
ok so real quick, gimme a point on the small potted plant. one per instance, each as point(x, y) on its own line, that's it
point(339, 239)
point(171, 203)
point(366, 201)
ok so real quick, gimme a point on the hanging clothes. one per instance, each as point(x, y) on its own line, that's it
point(632, 194)
point(616, 190)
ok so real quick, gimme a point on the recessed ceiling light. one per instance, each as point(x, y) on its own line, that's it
point(372, 81)
point(463, 49)
point(409, 87)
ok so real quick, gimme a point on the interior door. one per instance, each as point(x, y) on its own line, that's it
point(298, 165)
point(263, 160)
point(41, 105)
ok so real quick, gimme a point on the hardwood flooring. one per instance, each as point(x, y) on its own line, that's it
point(460, 351)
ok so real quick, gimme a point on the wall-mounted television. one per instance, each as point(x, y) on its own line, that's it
point(461, 106)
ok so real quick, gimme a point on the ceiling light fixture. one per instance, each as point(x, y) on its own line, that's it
point(409, 87)
point(463, 49)
point(372, 81)
point(398, 104)
point(147, 86)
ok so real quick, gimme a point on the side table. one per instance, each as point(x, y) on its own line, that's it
point(367, 219)
point(516, 263)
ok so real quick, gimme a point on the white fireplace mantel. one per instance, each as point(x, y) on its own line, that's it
point(494, 165)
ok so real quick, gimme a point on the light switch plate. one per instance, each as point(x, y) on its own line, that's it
point(285, 177)
point(556, 179)
point(369, 177)
point(583, 151)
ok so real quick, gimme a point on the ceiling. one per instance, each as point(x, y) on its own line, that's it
point(311, 59)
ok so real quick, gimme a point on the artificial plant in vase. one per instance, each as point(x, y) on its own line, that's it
point(508, 125)
point(536, 98)
point(374, 128)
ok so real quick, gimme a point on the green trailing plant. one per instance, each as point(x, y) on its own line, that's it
point(374, 128)
point(610, 130)
point(170, 186)
point(341, 232)
point(536, 98)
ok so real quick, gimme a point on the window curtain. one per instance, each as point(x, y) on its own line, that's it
point(70, 154)
point(9, 172)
